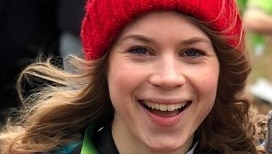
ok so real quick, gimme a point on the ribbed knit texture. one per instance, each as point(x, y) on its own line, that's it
point(105, 19)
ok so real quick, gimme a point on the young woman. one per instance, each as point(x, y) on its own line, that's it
point(158, 77)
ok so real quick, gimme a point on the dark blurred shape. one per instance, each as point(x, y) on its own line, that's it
point(70, 16)
point(27, 29)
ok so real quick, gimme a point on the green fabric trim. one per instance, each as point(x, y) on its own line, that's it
point(87, 146)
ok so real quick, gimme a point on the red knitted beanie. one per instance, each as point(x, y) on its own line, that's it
point(105, 19)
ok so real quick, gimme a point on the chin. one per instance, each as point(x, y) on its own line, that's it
point(166, 147)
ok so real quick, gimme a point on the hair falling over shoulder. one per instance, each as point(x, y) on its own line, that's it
point(47, 118)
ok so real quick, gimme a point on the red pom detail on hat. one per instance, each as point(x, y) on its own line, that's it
point(104, 19)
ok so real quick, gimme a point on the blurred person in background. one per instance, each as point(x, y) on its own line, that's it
point(257, 22)
point(257, 19)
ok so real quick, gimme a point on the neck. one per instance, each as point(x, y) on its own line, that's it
point(126, 142)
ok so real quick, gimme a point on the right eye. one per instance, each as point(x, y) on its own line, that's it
point(138, 50)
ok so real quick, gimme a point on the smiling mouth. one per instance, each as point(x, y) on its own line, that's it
point(165, 110)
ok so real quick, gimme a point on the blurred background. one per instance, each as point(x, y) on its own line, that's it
point(32, 28)
point(261, 69)
point(257, 23)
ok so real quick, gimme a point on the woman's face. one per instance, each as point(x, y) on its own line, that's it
point(162, 78)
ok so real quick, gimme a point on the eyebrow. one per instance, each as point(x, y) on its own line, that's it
point(189, 41)
point(195, 40)
point(137, 37)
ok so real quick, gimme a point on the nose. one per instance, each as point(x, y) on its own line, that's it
point(167, 74)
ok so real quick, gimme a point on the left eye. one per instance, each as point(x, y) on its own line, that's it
point(192, 53)
point(138, 50)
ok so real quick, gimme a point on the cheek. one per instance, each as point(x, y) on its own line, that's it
point(209, 81)
point(116, 89)
point(122, 82)
point(206, 82)
point(208, 86)
point(122, 79)
point(206, 90)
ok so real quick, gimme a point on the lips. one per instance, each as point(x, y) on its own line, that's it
point(164, 109)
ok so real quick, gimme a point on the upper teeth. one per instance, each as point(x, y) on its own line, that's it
point(164, 107)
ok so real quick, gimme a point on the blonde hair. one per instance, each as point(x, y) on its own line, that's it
point(55, 113)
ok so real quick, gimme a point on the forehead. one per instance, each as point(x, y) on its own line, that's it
point(161, 17)
point(163, 23)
